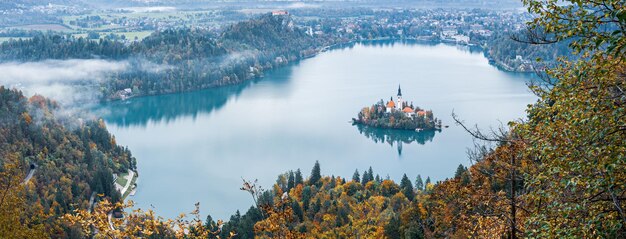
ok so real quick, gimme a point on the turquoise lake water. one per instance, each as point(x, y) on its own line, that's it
point(196, 146)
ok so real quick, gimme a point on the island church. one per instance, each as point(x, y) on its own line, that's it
point(403, 106)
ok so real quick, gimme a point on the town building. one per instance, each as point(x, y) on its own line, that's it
point(279, 13)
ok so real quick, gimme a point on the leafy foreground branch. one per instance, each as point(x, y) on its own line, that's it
point(139, 223)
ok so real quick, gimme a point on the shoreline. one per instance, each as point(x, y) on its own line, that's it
point(125, 190)
point(321, 50)
point(500, 65)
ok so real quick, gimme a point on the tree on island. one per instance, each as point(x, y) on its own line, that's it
point(381, 115)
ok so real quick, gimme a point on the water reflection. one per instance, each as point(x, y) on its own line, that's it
point(383, 43)
point(139, 111)
point(396, 137)
point(297, 115)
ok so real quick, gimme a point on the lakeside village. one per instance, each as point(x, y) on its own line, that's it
point(397, 114)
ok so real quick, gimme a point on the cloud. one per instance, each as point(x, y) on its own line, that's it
point(66, 81)
point(59, 71)
point(141, 64)
point(302, 5)
point(150, 9)
point(237, 57)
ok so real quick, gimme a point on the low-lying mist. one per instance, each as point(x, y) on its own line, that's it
point(66, 81)
point(69, 82)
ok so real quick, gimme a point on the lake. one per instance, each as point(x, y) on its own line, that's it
point(197, 146)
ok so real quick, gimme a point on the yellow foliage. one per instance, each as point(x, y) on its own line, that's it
point(138, 223)
point(27, 118)
point(15, 220)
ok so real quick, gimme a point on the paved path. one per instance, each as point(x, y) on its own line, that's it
point(91, 201)
point(29, 176)
point(129, 178)
point(110, 223)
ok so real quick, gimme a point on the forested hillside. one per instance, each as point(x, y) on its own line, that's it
point(71, 159)
point(366, 206)
point(179, 59)
point(558, 173)
point(185, 59)
point(47, 46)
point(504, 51)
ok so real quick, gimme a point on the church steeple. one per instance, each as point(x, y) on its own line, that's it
point(400, 104)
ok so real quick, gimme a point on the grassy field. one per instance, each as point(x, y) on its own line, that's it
point(130, 189)
point(121, 179)
point(44, 27)
point(132, 35)
point(77, 35)
point(120, 30)
point(184, 15)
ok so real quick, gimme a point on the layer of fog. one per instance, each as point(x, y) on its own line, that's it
point(69, 82)
point(65, 81)
point(149, 9)
point(302, 5)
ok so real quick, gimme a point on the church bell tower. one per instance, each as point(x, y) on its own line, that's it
point(400, 102)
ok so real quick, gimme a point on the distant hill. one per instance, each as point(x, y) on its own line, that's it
point(10, 4)
point(268, 32)
point(350, 3)
point(190, 59)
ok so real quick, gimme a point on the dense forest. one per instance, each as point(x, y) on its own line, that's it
point(185, 59)
point(178, 60)
point(366, 206)
point(558, 173)
point(71, 160)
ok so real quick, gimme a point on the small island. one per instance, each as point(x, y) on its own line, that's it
point(397, 114)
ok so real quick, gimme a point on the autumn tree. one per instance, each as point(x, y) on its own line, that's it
point(591, 25)
point(70, 160)
point(139, 223)
point(279, 222)
point(14, 220)
point(575, 132)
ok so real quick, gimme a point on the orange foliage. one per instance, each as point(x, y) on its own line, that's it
point(37, 100)
point(27, 118)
